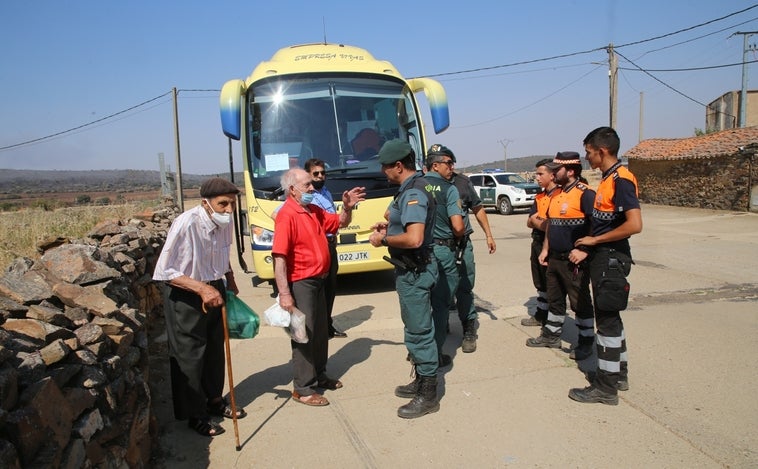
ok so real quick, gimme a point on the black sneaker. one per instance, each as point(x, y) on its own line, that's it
point(623, 384)
point(544, 341)
point(592, 395)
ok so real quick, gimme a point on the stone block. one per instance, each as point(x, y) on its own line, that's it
point(74, 455)
point(47, 400)
point(54, 352)
point(25, 288)
point(29, 328)
point(74, 263)
point(49, 315)
point(100, 349)
point(25, 429)
point(122, 342)
point(84, 357)
point(80, 399)
point(110, 326)
point(89, 334)
point(91, 377)
point(8, 388)
point(88, 424)
point(8, 455)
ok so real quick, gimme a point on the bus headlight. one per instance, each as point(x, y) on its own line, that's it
point(262, 237)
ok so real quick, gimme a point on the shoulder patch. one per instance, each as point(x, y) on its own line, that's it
point(412, 202)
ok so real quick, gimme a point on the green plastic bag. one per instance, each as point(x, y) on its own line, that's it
point(242, 321)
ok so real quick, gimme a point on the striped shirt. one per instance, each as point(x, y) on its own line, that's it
point(195, 247)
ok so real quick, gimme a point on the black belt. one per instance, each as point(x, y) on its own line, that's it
point(449, 242)
point(218, 284)
point(331, 239)
point(561, 256)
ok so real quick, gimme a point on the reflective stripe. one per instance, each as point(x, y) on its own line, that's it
point(624, 357)
point(610, 367)
point(555, 318)
point(554, 329)
point(586, 333)
point(609, 342)
point(585, 322)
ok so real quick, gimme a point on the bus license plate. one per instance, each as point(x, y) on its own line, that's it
point(353, 256)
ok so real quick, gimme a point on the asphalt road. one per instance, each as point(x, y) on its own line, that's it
point(692, 331)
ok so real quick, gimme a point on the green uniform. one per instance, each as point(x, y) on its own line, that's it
point(448, 204)
point(414, 283)
point(467, 268)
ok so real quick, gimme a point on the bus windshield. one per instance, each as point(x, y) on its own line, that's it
point(341, 120)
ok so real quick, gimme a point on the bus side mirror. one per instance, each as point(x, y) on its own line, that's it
point(437, 98)
point(230, 104)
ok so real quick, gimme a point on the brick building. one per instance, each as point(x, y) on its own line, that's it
point(717, 170)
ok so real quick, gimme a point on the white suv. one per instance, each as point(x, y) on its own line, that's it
point(504, 191)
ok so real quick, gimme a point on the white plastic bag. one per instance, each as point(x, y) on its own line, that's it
point(293, 324)
point(277, 316)
point(296, 328)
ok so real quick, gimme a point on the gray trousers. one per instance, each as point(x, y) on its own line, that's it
point(309, 360)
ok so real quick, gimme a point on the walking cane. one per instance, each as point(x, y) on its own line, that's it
point(231, 378)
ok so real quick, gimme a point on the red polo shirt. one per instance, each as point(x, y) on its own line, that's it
point(300, 236)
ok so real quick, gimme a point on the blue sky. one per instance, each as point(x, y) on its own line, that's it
point(65, 64)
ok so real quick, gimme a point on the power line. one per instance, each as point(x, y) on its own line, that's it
point(561, 56)
point(684, 69)
point(88, 124)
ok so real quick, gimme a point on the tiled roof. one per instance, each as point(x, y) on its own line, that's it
point(725, 142)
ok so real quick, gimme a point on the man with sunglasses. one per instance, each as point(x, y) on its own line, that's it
point(448, 231)
point(323, 198)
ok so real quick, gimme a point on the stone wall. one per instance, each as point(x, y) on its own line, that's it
point(722, 182)
point(74, 348)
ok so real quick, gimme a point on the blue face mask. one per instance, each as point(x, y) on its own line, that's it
point(305, 197)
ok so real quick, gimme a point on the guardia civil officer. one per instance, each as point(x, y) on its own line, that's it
point(569, 216)
point(408, 235)
point(448, 232)
point(615, 217)
point(464, 295)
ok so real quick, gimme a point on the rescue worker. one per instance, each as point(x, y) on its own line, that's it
point(464, 295)
point(448, 232)
point(408, 235)
point(569, 216)
point(537, 221)
point(615, 217)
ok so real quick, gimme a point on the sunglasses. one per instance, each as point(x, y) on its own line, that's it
point(318, 173)
point(447, 162)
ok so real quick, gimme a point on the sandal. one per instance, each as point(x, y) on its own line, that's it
point(205, 427)
point(329, 383)
point(223, 409)
point(315, 399)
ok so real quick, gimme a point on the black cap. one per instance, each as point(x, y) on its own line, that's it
point(438, 149)
point(563, 158)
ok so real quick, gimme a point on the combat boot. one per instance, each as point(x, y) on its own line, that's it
point(424, 402)
point(409, 390)
point(469, 336)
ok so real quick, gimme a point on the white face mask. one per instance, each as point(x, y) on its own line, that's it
point(221, 219)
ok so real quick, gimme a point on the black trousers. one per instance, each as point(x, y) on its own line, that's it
point(330, 284)
point(539, 278)
point(309, 359)
point(611, 339)
point(566, 279)
point(196, 351)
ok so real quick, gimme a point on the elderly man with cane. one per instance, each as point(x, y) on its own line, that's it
point(194, 264)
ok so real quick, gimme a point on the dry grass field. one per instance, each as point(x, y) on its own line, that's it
point(20, 231)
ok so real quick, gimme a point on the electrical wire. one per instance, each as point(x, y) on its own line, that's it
point(638, 69)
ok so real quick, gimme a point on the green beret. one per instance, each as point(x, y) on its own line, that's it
point(394, 150)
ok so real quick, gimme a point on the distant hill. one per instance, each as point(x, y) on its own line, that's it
point(119, 180)
point(515, 165)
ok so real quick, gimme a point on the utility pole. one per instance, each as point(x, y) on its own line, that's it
point(613, 83)
point(642, 109)
point(743, 92)
point(504, 142)
point(179, 188)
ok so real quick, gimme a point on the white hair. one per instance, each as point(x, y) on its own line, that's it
point(290, 178)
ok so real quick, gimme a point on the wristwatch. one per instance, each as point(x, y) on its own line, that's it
point(384, 241)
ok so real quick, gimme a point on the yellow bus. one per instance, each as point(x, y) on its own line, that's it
point(336, 103)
